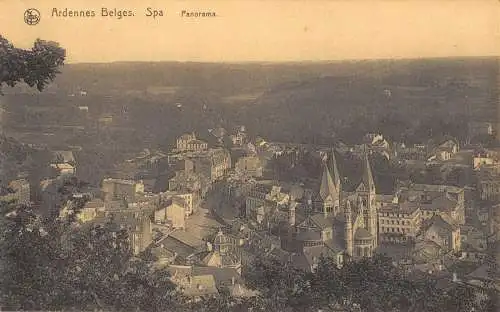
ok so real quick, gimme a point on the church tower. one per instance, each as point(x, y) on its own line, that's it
point(334, 171)
point(366, 191)
point(327, 200)
point(348, 229)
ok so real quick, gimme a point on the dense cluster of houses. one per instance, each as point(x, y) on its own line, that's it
point(425, 227)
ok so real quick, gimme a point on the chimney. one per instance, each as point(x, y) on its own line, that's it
point(455, 278)
point(232, 280)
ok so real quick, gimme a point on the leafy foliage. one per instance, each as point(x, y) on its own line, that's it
point(368, 285)
point(51, 263)
point(36, 66)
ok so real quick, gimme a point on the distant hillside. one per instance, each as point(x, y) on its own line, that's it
point(152, 103)
point(399, 100)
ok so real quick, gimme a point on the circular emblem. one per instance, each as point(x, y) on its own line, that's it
point(31, 16)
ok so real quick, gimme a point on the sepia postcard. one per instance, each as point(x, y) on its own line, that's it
point(273, 156)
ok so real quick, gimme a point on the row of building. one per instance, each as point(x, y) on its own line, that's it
point(338, 222)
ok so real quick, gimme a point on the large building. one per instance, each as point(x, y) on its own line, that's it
point(239, 138)
point(489, 185)
point(119, 189)
point(263, 197)
point(445, 200)
point(399, 222)
point(214, 164)
point(444, 233)
point(64, 162)
point(343, 222)
point(189, 143)
point(250, 166)
point(172, 212)
point(186, 182)
point(444, 151)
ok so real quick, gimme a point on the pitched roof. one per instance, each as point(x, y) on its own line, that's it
point(186, 238)
point(367, 177)
point(327, 187)
point(201, 285)
point(221, 275)
point(179, 270)
point(313, 254)
point(336, 245)
point(216, 259)
point(441, 225)
point(442, 203)
point(332, 164)
point(322, 222)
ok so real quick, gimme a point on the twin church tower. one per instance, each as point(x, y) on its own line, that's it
point(345, 220)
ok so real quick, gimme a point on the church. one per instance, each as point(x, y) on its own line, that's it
point(339, 223)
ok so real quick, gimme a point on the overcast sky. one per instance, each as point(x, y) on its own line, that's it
point(272, 30)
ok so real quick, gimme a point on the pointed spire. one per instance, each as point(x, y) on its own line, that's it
point(367, 182)
point(332, 164)
point(327, 186)
point(367, 179)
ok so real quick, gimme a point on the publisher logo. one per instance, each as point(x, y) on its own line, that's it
point(31, 16)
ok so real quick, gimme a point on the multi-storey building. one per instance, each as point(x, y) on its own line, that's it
point(444, 233)
point(262, 198)
point(64, 162)
point(250, 166)
point(489, 185)
point(482, 158)
point(172, 212)
point(119, 189)
point(214, 164)
point(399, 222)
point(189, 183)
point(189, 142)
point(444, 151)
point(239, 138)
point(445, 200)
point(191, 200)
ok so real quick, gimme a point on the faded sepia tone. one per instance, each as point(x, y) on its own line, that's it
point(272, 156)
point(266, 30)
